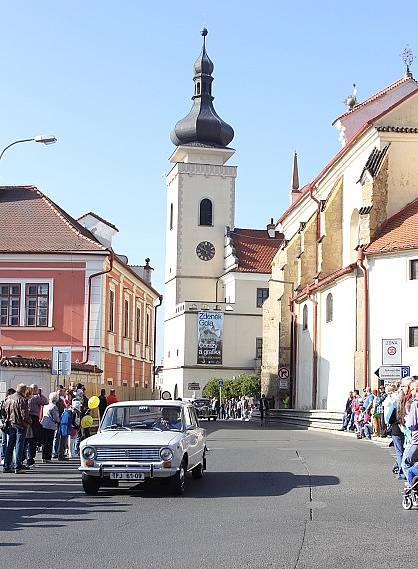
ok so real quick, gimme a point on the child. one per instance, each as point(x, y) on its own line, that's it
point(367, 426)
point(359, 421)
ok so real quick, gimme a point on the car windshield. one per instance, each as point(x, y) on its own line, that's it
point(136, 417)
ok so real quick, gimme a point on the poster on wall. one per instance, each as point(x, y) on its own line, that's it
point(209, 337)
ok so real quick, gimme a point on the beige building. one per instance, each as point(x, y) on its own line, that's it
point(344, 278)
point(216, 275)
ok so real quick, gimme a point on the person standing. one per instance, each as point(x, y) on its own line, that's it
point(112, 397)
point(410, 455)
point(17, 416)
point(35, 403)
point(263, 407)
point(4, 425)
point(379, 410)
point(50, 422)
point(347, 412)
point(103, 403)
point(58, 445)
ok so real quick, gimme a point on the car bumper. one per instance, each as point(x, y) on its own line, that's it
point(149, 470)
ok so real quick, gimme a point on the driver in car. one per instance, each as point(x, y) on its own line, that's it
point(169, 419)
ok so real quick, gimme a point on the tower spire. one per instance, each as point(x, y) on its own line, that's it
point(295, 191)
point(202, 126)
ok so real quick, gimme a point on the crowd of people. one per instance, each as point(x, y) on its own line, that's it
point(240, 408)
point(56, 425)
point(388, 411)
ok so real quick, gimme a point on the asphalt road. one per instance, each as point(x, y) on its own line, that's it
point(272, 497)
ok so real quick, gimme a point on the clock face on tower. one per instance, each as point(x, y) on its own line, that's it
point(205, 251)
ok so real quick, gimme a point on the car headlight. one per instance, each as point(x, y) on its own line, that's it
point(166, 453)
point(88, 452)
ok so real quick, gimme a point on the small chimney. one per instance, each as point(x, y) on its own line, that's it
point(143, 271)
point(271, 229)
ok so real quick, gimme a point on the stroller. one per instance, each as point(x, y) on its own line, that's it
point(410, 497)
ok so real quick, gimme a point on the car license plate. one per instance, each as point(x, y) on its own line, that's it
point(127, 475)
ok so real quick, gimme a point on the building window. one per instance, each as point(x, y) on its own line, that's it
point(413, 270)
point(9, 304)
point(138, 325)
point(147, 332)
point(36, 302)
point(126, 318)
point(329, 308)
point(259, 348)
point(205, 212)
point(262, 295)
point(171, 216)
point(111, 325)
point(305, 317)
point(413, 336)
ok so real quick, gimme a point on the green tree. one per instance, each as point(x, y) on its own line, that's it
point(244, 384)
point(250, 384)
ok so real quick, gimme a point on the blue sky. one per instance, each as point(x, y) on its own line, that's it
point(110, 79)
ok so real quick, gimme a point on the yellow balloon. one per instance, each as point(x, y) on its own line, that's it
point(93, 402)
point(86, 422)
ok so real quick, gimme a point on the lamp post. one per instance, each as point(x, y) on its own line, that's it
point(44, 139)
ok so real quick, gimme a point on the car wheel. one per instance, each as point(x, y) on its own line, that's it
point(91, 484)
point(178, 481)
point(197, 471)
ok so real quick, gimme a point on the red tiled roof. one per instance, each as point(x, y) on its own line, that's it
point(254, 249)
point(31, 222)
point(377, 95)
point(398, 233)
point(19, 361)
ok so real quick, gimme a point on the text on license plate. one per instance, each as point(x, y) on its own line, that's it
point(127, 475)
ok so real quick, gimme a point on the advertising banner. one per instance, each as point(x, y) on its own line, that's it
point(209, 337)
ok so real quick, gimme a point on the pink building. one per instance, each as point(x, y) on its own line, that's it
point(61, 284)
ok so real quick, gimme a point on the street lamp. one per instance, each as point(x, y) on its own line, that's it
point(44, 139)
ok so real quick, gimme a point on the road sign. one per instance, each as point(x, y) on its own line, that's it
point(390, 373)
point(406, 371)
point(283, 384)
point(61, 361)
point(221, 383)
point(193, 386)
point(166, 395)
point(392, 352)
point(283, 373)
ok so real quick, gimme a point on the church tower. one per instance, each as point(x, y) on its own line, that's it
point(200, 204)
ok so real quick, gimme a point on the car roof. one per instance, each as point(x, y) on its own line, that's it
point(157, 402)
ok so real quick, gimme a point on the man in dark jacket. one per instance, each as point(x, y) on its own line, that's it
point(263, 407)
point(347, 412)
point(17, 415)
point(35, 402)
point(103, 402)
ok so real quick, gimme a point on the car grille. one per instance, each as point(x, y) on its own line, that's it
point(121, 454)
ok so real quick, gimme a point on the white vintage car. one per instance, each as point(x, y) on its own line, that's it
point(141, 441)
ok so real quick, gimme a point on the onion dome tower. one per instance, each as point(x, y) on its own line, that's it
point(202, 126)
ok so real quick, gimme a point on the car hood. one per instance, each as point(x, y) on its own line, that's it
point(133, 438)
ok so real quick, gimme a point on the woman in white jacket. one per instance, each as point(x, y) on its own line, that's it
point(50, 422)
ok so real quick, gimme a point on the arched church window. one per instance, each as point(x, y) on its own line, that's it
point(205, 212)
point(305, 317)
point(198, 88)
point(171, 216)
point(329, 308)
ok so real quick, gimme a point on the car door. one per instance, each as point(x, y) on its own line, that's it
point(192, 436)
point(201, 436)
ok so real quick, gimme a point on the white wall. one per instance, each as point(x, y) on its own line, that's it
point(393, 306)
point(336, 345)
point(304, 359)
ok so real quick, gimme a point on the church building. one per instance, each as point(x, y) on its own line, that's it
point(216, 275)
point(342, 310)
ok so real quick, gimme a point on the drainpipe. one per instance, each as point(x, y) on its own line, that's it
point(293, 343)
point(91, 277)
point(314, 348)
point(160, 299)
point(318, 226)
point(360, 263)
